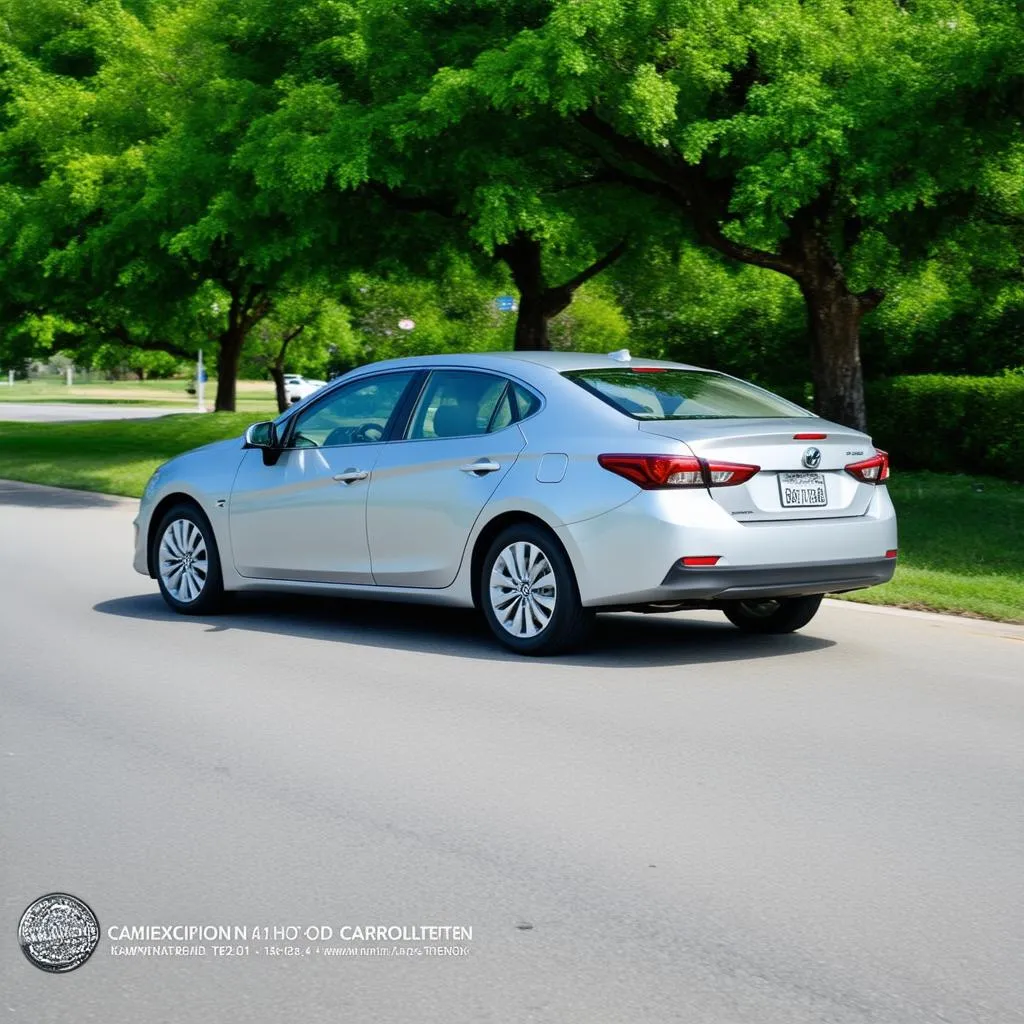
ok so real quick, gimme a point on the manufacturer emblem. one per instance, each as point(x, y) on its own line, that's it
point(58, 933)
point(812, 458)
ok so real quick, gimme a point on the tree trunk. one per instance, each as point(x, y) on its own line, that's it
point(834, 315)
point(277, 376)
point(228, 357)
point(538, 302)
point(834, 321)
point(531, 325)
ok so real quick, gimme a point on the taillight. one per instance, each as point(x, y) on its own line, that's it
point(656, 471)
point(871, 471)
point(728, 474)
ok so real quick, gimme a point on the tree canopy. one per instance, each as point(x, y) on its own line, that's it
point(747, 184)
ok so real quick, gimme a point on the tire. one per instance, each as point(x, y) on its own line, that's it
point(549, 619)
point(773, 615)
point(184, 534)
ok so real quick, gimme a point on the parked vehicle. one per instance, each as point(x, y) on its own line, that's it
point(540, 488)
point(297, 387)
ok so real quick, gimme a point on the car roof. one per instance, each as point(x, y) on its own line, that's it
point(559, 362)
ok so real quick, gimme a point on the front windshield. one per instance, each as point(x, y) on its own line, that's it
point(655, 393)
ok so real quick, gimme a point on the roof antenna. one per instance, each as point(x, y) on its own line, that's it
point(620, 355)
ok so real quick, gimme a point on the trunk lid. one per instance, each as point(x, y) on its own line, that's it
point(787, 487)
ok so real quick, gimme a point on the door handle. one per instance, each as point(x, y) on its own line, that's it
point(480, 467)
point(350, 476)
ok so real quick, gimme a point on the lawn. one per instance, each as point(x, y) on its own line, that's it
point(115, 456)
point(961, 537)
point(253, 395)
point(961, 546)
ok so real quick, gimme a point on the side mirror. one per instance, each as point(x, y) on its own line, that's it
point(261, 435)
point(264, 436)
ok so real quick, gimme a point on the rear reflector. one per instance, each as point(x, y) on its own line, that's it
point(891, 553)
point(809, 437)
point(652, 472)
point(871, 471)
point(700, 559)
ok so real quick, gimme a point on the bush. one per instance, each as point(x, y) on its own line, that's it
point(951, 424)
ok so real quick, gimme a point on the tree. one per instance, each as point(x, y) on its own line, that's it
point(789, 136)
point(121, 205)
point(506, 186)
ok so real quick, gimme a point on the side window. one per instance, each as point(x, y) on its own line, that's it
point(527, 403)
point(459, 403)
point(355, 414)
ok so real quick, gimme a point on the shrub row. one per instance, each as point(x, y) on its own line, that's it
point(950, 424)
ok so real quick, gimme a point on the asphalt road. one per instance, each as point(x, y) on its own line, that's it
point(55, 412)
point(684, 824)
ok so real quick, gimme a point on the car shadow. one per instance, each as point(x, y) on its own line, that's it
point(623, 640)
point(13, 492)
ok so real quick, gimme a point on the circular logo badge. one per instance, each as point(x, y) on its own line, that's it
point(58, 932)
point(812, 458)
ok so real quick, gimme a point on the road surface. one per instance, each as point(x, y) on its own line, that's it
point(55, 412)
point(684, 824)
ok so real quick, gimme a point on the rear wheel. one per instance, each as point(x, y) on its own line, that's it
point(187, 562)
point(528, 593)
point(773, 615)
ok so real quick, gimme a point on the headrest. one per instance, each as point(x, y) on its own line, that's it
point(455, 420)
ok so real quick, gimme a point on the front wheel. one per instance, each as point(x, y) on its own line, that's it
point(772, 615)
point(528, 593)
point(187, 562)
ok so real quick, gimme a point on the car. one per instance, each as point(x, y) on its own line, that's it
point(539, 487)
point(297, 388)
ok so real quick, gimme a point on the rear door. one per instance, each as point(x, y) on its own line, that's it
point(428, 490)
point(802, 464)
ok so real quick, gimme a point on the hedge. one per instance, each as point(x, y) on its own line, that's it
point(950, 424)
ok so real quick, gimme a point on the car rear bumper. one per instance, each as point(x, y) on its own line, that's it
point(631, 555)
point(711, 583)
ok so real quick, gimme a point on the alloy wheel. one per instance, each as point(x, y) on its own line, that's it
point(522, 589)
point(183, 560)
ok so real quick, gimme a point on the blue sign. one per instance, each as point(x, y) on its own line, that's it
point(506, 303)
point(203, 377)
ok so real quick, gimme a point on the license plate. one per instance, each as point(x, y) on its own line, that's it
point(802, 490)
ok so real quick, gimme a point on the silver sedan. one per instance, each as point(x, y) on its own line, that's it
point(537, 487)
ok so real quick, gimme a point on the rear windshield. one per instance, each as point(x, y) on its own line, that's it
point(650, 393)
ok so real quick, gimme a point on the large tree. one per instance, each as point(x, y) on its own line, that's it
point(366, 121)
point(789, 136)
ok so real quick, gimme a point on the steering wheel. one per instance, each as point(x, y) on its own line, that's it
point(364, 430)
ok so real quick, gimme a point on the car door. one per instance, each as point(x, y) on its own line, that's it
point(304, 518)
point(428, 490)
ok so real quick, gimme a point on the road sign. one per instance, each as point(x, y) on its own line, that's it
point(506, 303)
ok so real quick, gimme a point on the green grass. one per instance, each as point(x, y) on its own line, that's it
point(253, 396)
point(116, 456)
point(961, 538)
point(961, 546)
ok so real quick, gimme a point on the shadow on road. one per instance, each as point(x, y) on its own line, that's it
point(626, 641)
point(35, 496)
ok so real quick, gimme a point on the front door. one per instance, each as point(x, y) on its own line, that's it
point(304, 518)
point(428, 490)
